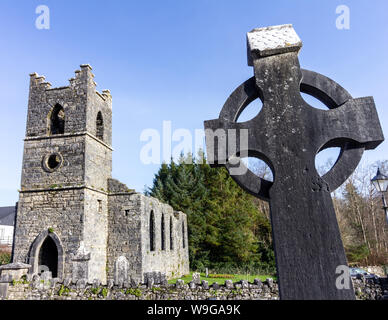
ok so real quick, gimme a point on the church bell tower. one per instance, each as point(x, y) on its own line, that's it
point(62, 217)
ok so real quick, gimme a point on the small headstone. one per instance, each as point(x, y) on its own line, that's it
point(228, 284)
point(197, 278)
point(205, 284)
point(215, 286)
point(135, 282)
point(192, 285)
point(157, 276)
point(244, 284)
point(163, 279)
point(269, 282)
point(35, 281)
point(150, 282)
point(258, 282)
point(110, 283)
point(179, 284)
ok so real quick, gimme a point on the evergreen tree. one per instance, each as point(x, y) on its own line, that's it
point(221, 216)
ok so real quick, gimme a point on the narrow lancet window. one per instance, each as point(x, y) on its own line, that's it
point(57, 120)
point(99, 126)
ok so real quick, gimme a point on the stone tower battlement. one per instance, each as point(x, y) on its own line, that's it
point(73, 218)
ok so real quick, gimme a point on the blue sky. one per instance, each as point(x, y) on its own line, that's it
point(173, 60)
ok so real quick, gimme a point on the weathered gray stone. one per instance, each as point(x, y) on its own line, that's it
point(81, 284)
point(205, 284)
point(269, 282)
point(110, 283)
point(366, 291)
point(197, 278)
point(228, 284)
point(258, 282)
point(150, 282)
point(135, 282)
point(179, 284)
point(244, 284)
point(46, 276)
point(163, 279)
point(68, 197)
point(67, 282)
point(215, 286)
point(96, 283)
point(192, 285)
point(287, 134)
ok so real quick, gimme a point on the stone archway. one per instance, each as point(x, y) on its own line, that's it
point(47, 250)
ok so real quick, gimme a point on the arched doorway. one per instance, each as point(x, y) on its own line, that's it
point(47, 253)
point(48, 256)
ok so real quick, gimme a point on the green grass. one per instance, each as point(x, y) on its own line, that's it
point(236, 278)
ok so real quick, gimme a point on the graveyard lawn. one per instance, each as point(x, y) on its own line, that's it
point(221, 280)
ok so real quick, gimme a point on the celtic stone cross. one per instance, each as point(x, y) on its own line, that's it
point(287, 134)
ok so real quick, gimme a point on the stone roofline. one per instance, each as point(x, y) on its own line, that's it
point(39, 80)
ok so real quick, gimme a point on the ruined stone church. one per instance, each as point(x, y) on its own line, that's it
point(72, 217)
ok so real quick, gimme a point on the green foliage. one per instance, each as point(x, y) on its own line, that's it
point(50, 230)
point(104, 292)
point(221, 280)
point(134, 292)
point(357, 253)
point(63, 291)
point(226, 229)
point(5, 258)
point(95, 290)
point(226, 276)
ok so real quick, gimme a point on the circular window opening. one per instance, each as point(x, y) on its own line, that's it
point(52, 162)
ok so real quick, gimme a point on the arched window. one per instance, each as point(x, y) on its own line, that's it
point(152, 231)
point(99, 126)
point(183, 235)
point(163, 242)
point(57, 120)
point(171, 237)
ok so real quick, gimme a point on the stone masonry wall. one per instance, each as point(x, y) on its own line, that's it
point(70, 171)
point(172, 261)
point(57, 290)
point(129, 254)
point(61, 210)
point(124, 238)
point(98, 164)
point(95, 234)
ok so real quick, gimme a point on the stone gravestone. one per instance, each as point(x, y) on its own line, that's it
point(121, 269)
point(287, 134)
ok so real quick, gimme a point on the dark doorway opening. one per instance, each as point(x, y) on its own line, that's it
point(57, 120)
point(48, 256)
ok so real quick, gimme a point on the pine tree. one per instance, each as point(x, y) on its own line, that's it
point(221, 216)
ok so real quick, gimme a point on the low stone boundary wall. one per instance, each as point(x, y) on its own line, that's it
point(54, 289)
